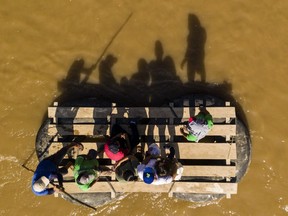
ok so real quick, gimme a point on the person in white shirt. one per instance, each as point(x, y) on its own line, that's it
point(148, 171)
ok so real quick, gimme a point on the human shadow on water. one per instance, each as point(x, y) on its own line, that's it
point(194, 56)
point(72, 88)
point(163, 73)
point(106, 76)
point(155, 82)
point(138, 85)
point(163, 82)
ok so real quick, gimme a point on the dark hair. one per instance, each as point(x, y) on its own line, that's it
point(114, 146)
point(92, 154)
point(139, 156)
point(166, 167)
point(161, 171)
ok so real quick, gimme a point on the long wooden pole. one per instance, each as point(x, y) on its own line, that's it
point(93, 67)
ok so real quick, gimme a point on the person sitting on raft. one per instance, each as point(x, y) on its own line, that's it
point(147, 171)
point(47, 171)
point(86, 170)
point(169, 166)
point(197, 127)
point(121, 142)
point(126, 169)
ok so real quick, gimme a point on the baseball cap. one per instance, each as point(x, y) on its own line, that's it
point(40, 184)
point(148, 175)
point(85, 178)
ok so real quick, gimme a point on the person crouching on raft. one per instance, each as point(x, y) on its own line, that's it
point(158, 170)
point(86, 170)
point(126, 169)
point(47, 170)
point(197, 126)
point(121, 143)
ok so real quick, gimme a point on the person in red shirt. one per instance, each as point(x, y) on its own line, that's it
point(121, 143)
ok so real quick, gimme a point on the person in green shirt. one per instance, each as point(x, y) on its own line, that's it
point(86, 170)
point(198, 126)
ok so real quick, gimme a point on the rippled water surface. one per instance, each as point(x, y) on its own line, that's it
point(246, 45)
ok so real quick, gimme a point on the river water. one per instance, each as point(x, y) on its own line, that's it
point(243, 43)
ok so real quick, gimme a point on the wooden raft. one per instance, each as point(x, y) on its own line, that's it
point(209, 166)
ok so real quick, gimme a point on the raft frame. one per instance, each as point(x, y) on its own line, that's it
point(210, 166)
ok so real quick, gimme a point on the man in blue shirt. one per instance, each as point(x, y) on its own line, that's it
point(47, 171)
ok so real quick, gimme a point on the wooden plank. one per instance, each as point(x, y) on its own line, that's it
point(205, 187)
point(70, 175)
point(207, 151)
point(71, 187)
point(192, 171)
point(129, 187)
point(209, 171)
point(216, 151)
point(134, 112)
point(100, 130)
point(79, 112)
point(190, 150)
point(138, 187)
point(56, 146)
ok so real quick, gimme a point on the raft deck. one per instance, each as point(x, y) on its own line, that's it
point(209, 166)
